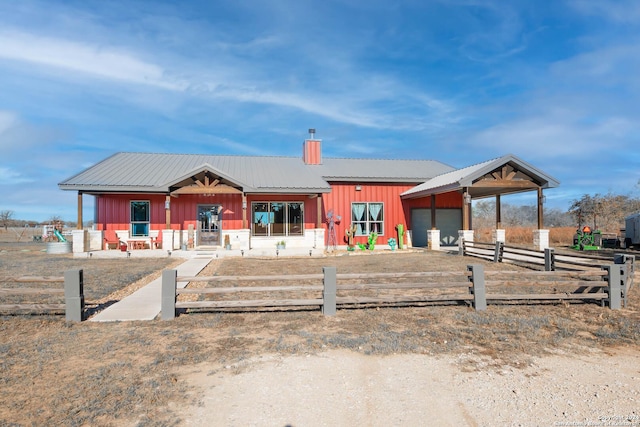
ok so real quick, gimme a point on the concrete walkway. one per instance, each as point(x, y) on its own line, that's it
point(144, 304)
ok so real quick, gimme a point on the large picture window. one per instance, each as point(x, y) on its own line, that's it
point(277, 218)
point(368, 217)
point(139, 218)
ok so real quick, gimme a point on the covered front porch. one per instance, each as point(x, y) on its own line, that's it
point(203, 210)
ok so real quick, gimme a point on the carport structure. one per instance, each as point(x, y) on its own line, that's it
point(501, 176)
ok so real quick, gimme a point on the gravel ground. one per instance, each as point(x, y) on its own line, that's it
point(345, 388)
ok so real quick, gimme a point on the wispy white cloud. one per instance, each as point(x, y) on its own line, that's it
point(98, 61)
point(612, 65)
point(546, 137)
point(619, 11)
point(12, 176)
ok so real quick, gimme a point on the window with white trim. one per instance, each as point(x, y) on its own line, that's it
point(140, 218)
point(277, 218)
point(368, 217)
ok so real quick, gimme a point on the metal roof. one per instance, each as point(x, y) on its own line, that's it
point(381, 170)
point(162, 173)
point(465, 177)
point(152, 172)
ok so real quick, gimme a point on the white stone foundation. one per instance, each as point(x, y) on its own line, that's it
point(541, 239)
point(464, 236)
point(80, 241)
point(433, 240)
point(498, 235)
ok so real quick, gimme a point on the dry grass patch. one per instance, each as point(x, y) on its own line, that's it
point(53, 373)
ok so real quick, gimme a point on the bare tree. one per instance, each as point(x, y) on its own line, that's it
point(5, 218)
point(606, 212)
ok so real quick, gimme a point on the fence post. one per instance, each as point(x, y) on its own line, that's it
point(74, 295)
point(549, 260)
point(461, 248)
point(497, 255)
point(626, 261)
point(478, 289)
point(329, 292)
point(168, 304)
point(613, 279)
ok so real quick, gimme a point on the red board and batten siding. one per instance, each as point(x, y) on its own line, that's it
point(396, 210)
point(113, 211)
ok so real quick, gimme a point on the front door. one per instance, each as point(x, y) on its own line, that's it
point(209, 221)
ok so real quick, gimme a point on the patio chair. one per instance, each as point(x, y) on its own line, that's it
point(111, 240)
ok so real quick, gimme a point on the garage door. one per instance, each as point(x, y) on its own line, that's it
point(449, 221)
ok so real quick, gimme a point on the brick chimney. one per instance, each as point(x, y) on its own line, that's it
point(312, 149)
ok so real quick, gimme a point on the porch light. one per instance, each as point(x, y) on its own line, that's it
point(467, 198)
point(167, 204)
point(358, 187)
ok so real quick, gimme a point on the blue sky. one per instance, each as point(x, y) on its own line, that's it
point(463, 81)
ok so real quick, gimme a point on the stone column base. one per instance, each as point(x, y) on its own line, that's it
point(433, 240)
point(80, 241)
point(541, 239)
point(464, 236)
point(498, 235)
point(168, 239)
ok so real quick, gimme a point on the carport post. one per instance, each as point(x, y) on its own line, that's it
point(329, 292)
point(168, 304)
point(478, 289)
point(74, 295)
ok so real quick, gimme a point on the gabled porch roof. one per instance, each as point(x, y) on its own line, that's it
point(504, 175)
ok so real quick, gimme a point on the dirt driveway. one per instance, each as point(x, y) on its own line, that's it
point(345, 388)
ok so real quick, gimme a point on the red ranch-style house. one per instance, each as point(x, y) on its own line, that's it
point(184, 201)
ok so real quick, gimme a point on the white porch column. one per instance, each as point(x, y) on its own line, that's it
point(319, 238)
point(96, 240)
point(168, 237)
point(408, 241)
point(498, 235)
point(241, 238)
point(541, 239)
point(433, 240)
point(80, 241)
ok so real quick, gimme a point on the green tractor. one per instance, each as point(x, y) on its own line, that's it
point(587, 240)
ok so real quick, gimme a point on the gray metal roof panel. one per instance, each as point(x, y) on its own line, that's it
point(384, 170)
point(156, 172)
